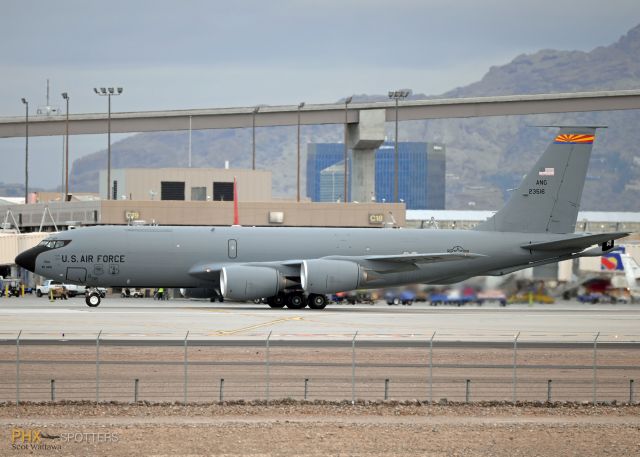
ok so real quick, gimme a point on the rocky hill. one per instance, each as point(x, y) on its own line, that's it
point(486, 156)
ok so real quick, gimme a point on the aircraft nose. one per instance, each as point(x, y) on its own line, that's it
point(27, 259)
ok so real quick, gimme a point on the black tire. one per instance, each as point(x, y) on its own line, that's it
point(39, 293)
point(276, 301)
point(296, 301)
point(317, 301)
point(93, 299)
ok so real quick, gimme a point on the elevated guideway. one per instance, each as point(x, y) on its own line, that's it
point(267, 116)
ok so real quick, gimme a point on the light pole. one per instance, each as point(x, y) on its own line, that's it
point(346, 146)
point(300, 106)
point(26, 152)
point(66, 150)
point(253, 136)
point(108, 92)
point(397, 95)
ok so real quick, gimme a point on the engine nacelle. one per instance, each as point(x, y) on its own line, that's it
point(246, 282)
point(320, 276)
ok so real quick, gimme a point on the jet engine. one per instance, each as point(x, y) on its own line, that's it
point(321, 276)
point(246, 282)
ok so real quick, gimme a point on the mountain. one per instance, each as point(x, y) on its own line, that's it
point(485, 156)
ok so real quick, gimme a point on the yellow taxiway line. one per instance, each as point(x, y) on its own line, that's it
point(252, 327)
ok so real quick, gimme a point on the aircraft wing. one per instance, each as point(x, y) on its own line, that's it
point(387, 263)
point(405, 262)
point(422, 258)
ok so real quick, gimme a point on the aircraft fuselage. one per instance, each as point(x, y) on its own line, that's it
point(118, 256)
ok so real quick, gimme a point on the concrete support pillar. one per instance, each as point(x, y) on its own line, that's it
point(364, 139)
point(363, 175)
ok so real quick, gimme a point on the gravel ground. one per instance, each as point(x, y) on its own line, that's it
point(320, 429)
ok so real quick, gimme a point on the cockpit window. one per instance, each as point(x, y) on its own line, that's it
point(54, 244)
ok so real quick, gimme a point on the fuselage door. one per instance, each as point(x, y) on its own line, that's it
point(233, 249)
point(76, 275)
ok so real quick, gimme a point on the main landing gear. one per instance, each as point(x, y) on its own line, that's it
point(297, 300)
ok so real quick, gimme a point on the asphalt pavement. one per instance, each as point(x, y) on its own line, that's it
point(140, 319)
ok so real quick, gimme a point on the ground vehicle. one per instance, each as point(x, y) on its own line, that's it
point(12, 287)
point(58, 291)
point(71, 289)
point(491, 296)
point(452, 297)
point(532, 297)
point(404, 297)
point(129, 292)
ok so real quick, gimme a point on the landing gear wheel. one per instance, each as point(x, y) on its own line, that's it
point(296, 301)
point(93, 299)
point(276, 301)
point(317, 301)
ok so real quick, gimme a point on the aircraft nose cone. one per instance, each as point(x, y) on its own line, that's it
point(27, 259)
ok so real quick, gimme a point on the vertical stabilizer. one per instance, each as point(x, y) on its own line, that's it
point(548, 198)
point(631, 271)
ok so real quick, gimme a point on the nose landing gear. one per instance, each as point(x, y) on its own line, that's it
point(93, 298)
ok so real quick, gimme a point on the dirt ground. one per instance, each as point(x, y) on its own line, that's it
point(319, 429)
point(328, 371)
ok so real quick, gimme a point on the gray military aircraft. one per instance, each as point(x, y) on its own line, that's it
point(296, 267)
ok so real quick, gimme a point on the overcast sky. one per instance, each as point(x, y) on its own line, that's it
point(200, 54)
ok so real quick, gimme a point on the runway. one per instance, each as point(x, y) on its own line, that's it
point(140, 319)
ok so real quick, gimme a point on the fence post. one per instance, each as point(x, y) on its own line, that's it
point(549, 391)
point(268, 367)
point(135, 390)
point(98, 366)
point(18, 368)
point(185, 367)
point(53, 390)
point(221, 389)
point(595, 364)
point(353, 369)
point(515, 378)
point(306, 388)
point(467, 391)
point(431, 368)
point(386, 389)
point(631, 391)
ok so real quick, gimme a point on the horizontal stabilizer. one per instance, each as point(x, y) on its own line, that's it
point(577, 242)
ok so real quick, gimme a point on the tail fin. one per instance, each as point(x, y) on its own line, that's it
point(631, 271)
point(548, 198)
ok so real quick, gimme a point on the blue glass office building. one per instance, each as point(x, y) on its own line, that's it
point(421, 173)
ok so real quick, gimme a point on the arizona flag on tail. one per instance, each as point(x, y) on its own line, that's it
point(574, 138)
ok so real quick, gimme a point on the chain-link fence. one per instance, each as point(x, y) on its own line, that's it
point(426, 368)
